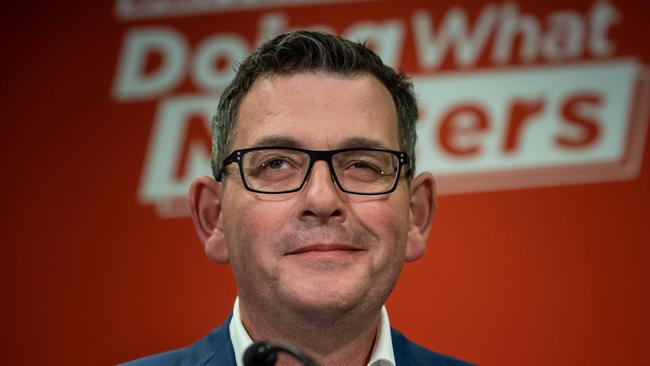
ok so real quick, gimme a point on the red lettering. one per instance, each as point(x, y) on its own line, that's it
point(520, 112)
point(576, 111)
point(462, 121)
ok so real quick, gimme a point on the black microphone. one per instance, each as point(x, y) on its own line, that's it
point(260, 354)
point(266, 354)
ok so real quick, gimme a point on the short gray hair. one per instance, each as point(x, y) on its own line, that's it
point(306, 51)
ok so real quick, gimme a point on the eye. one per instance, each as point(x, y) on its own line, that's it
point(274, 164)
point(275, 167)
point(364, 165)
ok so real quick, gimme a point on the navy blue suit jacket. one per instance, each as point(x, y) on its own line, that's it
point(216, 350)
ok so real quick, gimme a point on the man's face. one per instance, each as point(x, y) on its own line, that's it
point(316, 250)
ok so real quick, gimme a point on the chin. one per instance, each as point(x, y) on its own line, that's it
point(325, 300)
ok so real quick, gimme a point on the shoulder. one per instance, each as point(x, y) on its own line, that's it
point(213, 349)
point(408, 353)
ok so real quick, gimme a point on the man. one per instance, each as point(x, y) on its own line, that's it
point(315, 205)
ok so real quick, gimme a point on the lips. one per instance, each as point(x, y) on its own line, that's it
point(323, 248)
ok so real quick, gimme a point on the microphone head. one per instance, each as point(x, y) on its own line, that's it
point(260, 354)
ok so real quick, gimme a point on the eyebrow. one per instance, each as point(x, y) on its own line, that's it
point(351, 142)
point(279, 141)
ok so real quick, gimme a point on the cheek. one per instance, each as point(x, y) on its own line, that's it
point(393, 213)
point(388, 221)
point(251, 227)
point(251, 256)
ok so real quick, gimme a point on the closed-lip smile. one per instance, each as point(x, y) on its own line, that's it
point(320, 247)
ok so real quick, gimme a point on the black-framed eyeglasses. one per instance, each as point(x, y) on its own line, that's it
point(274, 170)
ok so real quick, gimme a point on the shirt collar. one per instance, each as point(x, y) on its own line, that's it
point(382, 353)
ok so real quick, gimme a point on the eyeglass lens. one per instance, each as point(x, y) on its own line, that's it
point(278, 170)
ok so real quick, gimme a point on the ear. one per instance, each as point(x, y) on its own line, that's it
point(205, 206)
point(423, 207)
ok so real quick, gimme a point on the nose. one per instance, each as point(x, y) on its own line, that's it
point(322, 198)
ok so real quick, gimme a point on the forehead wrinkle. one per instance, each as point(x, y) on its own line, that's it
point(361, 142)
point(350, 142)
point(265, 110)
point(269, 109)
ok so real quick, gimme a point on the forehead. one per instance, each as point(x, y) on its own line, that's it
point(317, 111)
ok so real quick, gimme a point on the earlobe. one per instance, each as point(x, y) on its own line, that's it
point(423, 207)
point(205, 206)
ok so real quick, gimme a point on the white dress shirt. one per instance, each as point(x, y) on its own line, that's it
point(382, 353)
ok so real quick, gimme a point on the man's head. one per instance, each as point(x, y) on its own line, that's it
point(319, 250)
point(304, 51)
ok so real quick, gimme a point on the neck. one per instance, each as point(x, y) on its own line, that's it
point(330, 339)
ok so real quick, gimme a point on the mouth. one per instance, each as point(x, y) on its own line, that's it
point(324, 250)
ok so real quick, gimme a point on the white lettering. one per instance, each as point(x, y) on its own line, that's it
point(453, 31)
point(564, 39)
point(515, 36)
point(132, 82)
point(511, 25)
point(229, 48)
point(159, 180)
point(144, 9)
point(386, 38)
point(602, 16)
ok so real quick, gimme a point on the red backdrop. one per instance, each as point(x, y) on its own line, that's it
point(92, 274)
